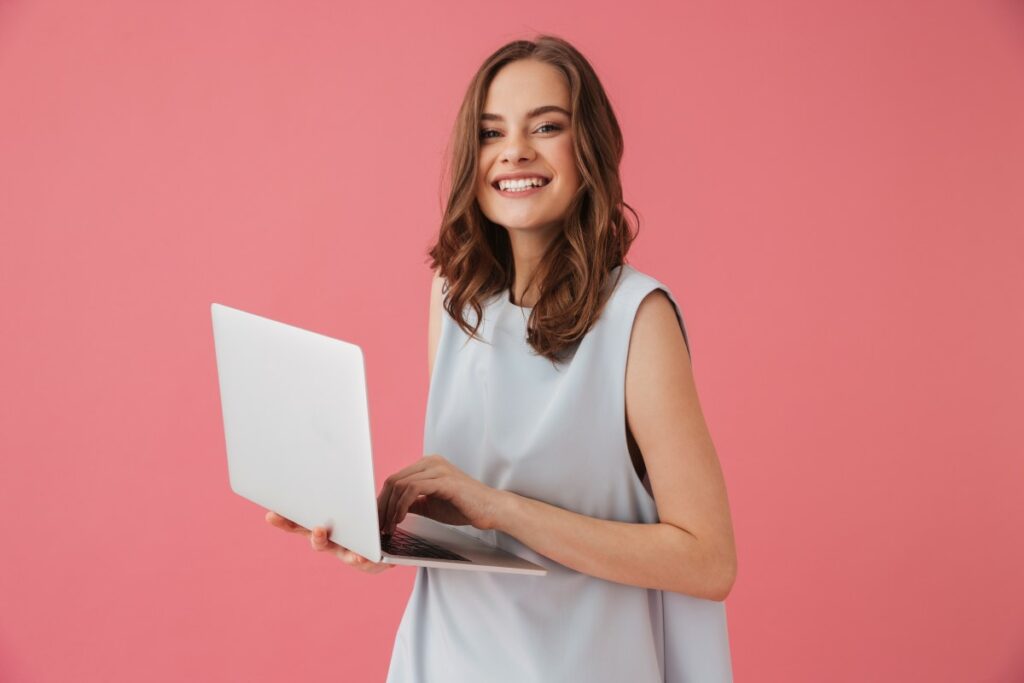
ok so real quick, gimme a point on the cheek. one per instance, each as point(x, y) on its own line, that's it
point(567, 165)
point(483, 164)
point(570, 176)
point(481, 189)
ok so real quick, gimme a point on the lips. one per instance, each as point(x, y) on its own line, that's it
point(521, 175)
point(519, 194)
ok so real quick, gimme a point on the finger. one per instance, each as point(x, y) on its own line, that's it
point(421, 487)
point(320, 540)
point(369, 566)
point(356, 560)
point(399, 490)
point(382, 503)
point(420, 506)
point(276, 519)
point(387, 490)
point(375, 567)
point(286, 524)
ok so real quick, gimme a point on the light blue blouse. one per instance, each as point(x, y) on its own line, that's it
point(515, 421)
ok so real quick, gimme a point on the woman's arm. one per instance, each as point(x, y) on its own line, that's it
point(691, 550)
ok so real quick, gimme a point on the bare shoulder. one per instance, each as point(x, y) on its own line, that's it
point(434, 321)
point(656, 332)
point(659, 378)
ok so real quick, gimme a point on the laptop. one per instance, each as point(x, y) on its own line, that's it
point(297, 431)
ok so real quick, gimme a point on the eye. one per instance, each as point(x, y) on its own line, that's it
point(484, 136)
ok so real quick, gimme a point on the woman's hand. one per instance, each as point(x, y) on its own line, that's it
point(435, 488)
point(318, 539)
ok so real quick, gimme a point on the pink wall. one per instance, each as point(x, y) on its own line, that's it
point(834, 194)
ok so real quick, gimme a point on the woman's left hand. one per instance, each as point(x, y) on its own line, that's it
point(435, 488)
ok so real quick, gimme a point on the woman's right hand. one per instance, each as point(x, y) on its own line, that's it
point(318, 540)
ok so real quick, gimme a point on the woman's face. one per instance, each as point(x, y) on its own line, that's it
point(524, 131)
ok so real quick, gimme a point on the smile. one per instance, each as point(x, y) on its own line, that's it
point(518, 190)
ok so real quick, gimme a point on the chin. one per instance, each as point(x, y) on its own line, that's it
point(513, 222)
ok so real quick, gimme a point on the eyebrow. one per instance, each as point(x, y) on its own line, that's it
point(530, 114)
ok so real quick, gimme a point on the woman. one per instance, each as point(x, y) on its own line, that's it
point(562, 423)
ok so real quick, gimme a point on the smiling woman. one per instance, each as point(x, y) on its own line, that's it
point(562, 422)
point(526, 167)
point(535, 110)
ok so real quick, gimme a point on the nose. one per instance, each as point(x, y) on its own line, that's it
point(516, 149)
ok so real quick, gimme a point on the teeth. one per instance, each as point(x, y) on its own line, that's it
point(520, 185)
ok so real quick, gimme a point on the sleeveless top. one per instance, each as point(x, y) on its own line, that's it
point(512, 420)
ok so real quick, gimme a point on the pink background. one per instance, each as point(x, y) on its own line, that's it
point(833, 193)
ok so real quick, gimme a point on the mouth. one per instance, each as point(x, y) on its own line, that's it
point(515, 190)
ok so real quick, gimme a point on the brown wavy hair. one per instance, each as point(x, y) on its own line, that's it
point(474, 254)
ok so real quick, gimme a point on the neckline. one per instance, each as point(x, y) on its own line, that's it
point(507, 296)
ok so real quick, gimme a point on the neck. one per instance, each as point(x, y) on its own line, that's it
point(528, 248)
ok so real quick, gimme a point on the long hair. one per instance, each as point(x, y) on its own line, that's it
point(474, 254)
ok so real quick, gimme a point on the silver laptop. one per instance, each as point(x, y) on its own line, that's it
point(297, 429)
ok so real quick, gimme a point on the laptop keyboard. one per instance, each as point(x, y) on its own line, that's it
point(403, 543)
